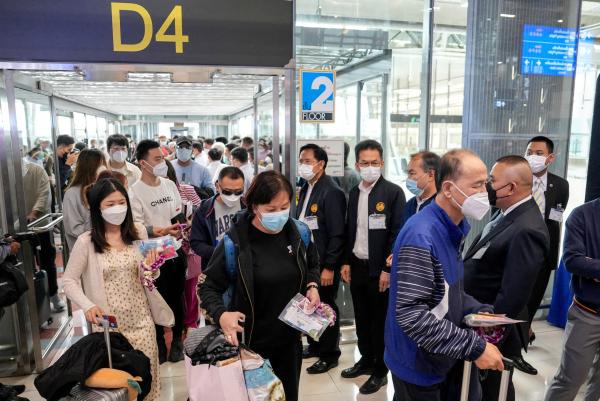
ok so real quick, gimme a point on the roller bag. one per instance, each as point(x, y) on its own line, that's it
point(466, 380)
point(42, 298)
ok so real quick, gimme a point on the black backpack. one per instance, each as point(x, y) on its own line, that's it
point(12, 282)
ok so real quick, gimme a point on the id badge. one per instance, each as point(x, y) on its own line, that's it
point(312, 222)
point(556, 215)
point(479, 254)
point(377, 222)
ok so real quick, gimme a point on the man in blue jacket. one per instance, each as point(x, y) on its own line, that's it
point(214, 216)
point(423, 336)
point(581, 255)
point(422, 170)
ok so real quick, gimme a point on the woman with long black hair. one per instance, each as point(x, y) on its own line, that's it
point(107, 262)
point(273, 266)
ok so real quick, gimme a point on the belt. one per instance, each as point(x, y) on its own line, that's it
point(360, 262)
point(587, 307)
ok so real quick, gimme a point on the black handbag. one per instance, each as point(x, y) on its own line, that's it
point(13, 283)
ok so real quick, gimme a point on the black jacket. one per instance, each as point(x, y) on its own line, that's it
point(385, 198)
point(203, 238)
point(327, 202)
point(557, 193)
point(87, 356)
point(217, 280)
point(505, 273)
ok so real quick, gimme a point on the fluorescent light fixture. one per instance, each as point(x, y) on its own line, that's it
point(560, 21)
point(507, 15)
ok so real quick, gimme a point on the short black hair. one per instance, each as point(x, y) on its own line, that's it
point(64, 140)
point(80, 146)
point(248, 141)
point(235, 137)
point(209, 141)
point(450, 165)
point(215, 154)
point(34, 150)
point(230, 146)
point(367, 144)
point(265, 187)
point(540, 138)
point(116, 139)
point(144, 147)
point(318, 151)
point(240, 154)
point(512, 160)
point(198, 145)
point(429, 160)
point(221, 139)
point(230, 172)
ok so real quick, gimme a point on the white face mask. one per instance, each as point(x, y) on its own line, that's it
point(306, 171)
point(119, 156)
point(115, 214)
point(160, 170)
point(184, 154)
point(230, 200)
point(370, 174)
point(537, 163)
point(475, 206)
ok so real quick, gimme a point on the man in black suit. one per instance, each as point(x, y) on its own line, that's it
point(504, 260)
point(375, 215)
point(551, 193)
point(322, 206)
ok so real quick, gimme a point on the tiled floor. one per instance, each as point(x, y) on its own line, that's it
point(544, 355)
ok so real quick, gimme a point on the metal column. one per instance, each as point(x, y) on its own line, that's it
point(426, 69)
point(359, 88)
point(275, 142)
point(255, 133)
point(290, 128)
point(385, 78)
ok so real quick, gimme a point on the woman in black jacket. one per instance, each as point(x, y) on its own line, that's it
point(272, 265)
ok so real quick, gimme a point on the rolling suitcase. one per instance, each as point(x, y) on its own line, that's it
point(466, 380)
point(42, 298)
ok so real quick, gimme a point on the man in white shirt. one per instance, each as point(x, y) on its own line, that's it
point(199, 154)
point(241, 160)
point(118, 147)
point(214, 163)
point(156, 202)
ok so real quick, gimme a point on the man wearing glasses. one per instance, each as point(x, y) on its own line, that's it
point(118, 147)
point(214, 216)
point(322, 206)
point(375, 209)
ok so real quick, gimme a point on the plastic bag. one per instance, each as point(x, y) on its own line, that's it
point(310, 321)
point(167, 246)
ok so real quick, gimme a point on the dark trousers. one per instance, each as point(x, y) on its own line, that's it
point(370, 307)
point(328, 346)
point(47, 260)
point(448, 390)
point(171, 285)
point(538, 291)
point(286, 361)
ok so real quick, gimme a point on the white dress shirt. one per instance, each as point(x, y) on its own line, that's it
point(361, 244)
point(516, 205)
point(305, 204)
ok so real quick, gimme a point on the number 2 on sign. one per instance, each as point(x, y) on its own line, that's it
point(321, 103)
point(175, 19)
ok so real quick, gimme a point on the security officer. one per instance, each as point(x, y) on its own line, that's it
point(322, 206)
point(375, 211)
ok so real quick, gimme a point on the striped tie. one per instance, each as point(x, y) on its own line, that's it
point(538, 195)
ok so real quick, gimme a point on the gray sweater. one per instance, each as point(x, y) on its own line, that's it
point(76, 215)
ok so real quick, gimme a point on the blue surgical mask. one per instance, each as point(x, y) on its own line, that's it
point(275, 221)
point(184, 154)
point(413, 187)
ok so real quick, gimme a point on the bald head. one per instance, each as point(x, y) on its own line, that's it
point(512, 179)
point(517, 169)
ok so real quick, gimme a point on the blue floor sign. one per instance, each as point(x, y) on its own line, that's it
point(317, 96)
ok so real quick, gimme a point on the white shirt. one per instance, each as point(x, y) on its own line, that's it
point(155, 206)
point(544, 179)
point(420, 203)
point(516, 205)
point(306, 198)
point(130, 171)
point(361, 244)
point(202, 159)
point(214, 168)
point(248, 170)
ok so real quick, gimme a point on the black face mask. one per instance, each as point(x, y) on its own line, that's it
point(493, 193)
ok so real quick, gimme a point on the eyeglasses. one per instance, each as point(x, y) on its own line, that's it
point(374, 163)
point(229, 192)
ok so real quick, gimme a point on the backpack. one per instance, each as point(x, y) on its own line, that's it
point(231, 258)
point(12, 283)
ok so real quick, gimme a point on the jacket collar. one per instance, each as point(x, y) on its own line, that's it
point(457, 233)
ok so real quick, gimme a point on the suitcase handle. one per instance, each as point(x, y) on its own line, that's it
point(506, 373)
point(106, 325)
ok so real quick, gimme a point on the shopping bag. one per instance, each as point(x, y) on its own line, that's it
point(261, 382)
point(224, 382)
point(194, 262)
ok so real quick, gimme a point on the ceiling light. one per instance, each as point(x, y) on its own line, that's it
point(560, 21)
point(507, 15)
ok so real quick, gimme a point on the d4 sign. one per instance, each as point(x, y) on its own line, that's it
point(175, 19)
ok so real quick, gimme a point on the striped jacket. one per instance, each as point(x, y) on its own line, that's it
point(427, 303)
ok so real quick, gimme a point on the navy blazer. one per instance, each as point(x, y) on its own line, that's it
point(327, 202)
point(385, 198)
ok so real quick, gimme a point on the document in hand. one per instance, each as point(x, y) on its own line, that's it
point(488, 320)
point(311, 321)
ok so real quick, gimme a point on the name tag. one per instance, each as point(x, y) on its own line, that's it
point(556, 215)
point(479, 254)
point(312, 222)
point(377, 222)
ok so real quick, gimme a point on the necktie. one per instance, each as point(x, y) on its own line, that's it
point(538, 195)
point(490, 226)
